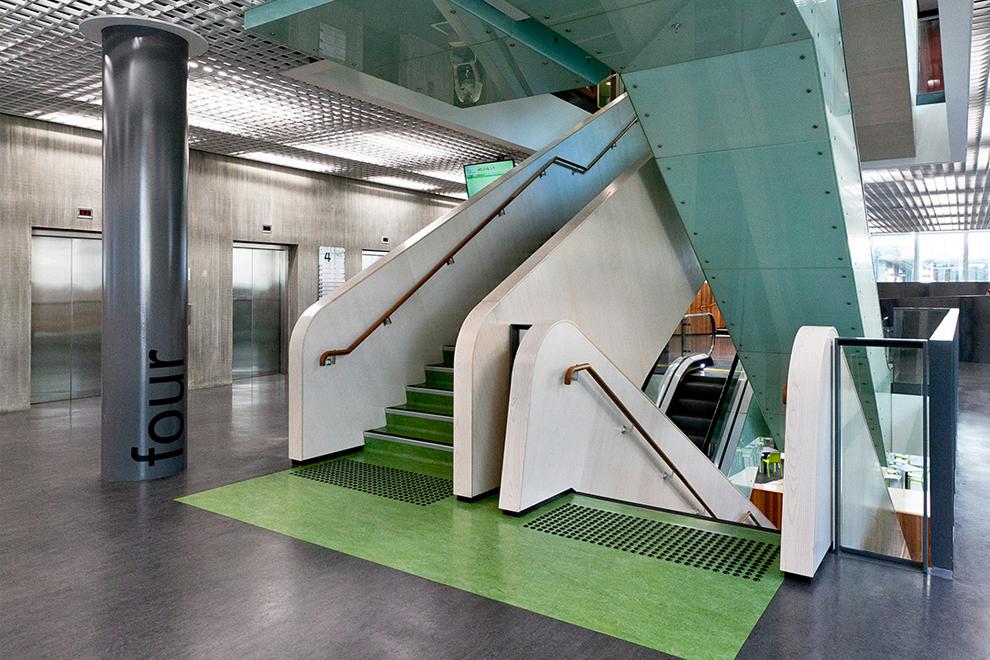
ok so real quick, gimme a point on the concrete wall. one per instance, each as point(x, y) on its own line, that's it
point(48, 171)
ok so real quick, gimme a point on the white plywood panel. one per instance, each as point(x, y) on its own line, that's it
point(572, 437)
point(330, 407)
point(622, 269)
point(867, 517)
point(806, 523)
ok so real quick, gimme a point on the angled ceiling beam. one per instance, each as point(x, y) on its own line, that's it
point(541, 39)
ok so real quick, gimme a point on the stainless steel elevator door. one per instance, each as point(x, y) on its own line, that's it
point(259, 280)
point(66, 316)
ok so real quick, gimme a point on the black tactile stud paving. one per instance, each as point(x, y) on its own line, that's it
point(411, 487)
point(711, 551)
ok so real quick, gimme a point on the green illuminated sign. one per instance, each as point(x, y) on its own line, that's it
point(480, 175)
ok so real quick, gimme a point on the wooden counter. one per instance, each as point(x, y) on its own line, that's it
point(769, 499)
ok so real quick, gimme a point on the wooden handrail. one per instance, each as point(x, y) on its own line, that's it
point(448, 258)
point(584, 366)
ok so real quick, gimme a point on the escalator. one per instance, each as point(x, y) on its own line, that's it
point(686, 384)
point(694, 402)
point(699, 383)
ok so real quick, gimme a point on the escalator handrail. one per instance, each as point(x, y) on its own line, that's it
point(676, 372)
point(584, 366)
point(714, 324)
point(711, 346)
point(447, 259)
point(706, 445)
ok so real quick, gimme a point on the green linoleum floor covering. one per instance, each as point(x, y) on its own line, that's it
point(674, 608)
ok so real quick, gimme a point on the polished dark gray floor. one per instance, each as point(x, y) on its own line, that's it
point(859, 608)
point(120, 570)
point(94, 570)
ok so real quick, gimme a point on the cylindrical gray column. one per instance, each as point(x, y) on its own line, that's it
point(145, 164)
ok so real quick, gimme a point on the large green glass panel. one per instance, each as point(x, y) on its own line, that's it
point(632, 35)
point(746, 108)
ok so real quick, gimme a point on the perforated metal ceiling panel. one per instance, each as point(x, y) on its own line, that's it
point(942, 196)
point(239, 105)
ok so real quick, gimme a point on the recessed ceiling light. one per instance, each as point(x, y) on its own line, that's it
point(338, 152)
point(398, 182)
point(72, 119)
point(288, 161)
point(457, 176)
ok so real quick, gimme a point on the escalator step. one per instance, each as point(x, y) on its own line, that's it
point(699, 390)
point(694, 407)
point(698, 440)
point(718, 381)
point(691, 425)
point(701, 375)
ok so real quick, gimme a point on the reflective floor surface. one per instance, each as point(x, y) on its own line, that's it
point(690, 587)
point(93, 570)
point(122, 570)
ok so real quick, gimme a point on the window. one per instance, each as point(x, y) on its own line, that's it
point(931, 83)
point(978, 256)
point(893, 257)
point(940, 256)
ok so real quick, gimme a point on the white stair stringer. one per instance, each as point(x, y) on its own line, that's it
point(331, 406)
point(625, 247)
point(573, 437)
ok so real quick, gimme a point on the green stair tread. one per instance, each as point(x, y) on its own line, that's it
point(413, 408)
point(431, 386)
point(411, 434)
point(442, 436)
point(440, 379)
point(426, 407)
point(402, 455)
point(438, 404)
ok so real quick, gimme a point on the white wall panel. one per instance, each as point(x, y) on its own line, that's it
point(330, 407)
point(563, 437)
point(623, 270)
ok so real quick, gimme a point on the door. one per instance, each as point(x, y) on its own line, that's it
point(259, 273)
point(369, 257)
point(66, 315)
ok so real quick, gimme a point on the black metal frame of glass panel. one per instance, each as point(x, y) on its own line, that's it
point(918, 344)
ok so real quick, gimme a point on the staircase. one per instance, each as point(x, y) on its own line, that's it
point(426, 419)
point(694, 404)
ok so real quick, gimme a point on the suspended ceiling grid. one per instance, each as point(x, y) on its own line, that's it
point(942, 196)
point(239, 105)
